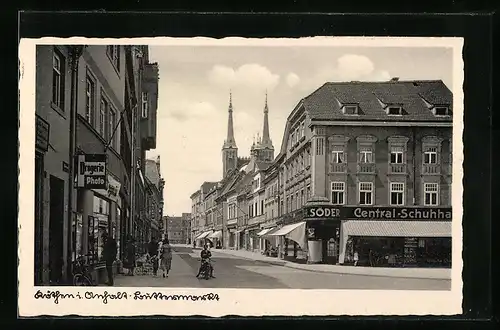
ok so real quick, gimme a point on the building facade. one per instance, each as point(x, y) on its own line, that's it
point(179, 229)
point(154, 198)
point(354, 148)
point(363, 167)
point(86, 102)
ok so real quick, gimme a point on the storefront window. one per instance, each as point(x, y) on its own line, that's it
point(101, 224)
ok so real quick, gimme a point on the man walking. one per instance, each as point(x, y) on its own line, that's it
point(109, 255)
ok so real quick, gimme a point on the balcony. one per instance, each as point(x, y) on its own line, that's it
point(232, 221)
point(338, 168)
point(366, 168)
point(397, 169)
point(431, 169)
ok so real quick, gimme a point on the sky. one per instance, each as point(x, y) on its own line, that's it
point(194, 87)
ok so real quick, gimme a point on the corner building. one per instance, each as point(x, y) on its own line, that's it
point(366, 167)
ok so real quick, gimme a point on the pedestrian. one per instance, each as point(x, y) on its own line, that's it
point(109, 250)
point(356, 258)
point(153, 255)
point(129, 261)
point(165, 257)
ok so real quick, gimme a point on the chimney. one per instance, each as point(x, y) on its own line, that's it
point(395, 79)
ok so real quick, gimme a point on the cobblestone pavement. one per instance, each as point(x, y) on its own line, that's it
point(234, 272)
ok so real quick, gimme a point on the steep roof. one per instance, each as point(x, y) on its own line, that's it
point(327, 101)
point(152, 172)
point(207, 186)
point(262, 166)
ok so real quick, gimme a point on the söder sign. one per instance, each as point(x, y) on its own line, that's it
point(377, 213)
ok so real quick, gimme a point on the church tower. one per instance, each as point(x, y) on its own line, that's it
point(266, 145)
point(229, 149)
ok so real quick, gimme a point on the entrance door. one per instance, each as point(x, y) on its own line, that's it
point(331, 251)
point(56, 228)
point(38, 219)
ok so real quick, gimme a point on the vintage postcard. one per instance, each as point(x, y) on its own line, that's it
point(237, 176)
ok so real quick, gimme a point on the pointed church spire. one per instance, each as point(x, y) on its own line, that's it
point(230, 141)
point(266, 139)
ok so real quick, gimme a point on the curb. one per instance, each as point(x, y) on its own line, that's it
point(294, 266)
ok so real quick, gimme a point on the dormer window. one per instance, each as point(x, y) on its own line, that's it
point(441, 111)
point(394, 111)
point(351, 109)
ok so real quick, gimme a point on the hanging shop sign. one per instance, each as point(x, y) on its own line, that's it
point(92, 171)
point(112, 190)
point(377, 213)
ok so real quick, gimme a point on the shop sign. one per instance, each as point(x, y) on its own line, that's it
point(322, 212)
point(399, 213)
point(42, 132)
point(310, 232)
point(113, 189)
point(92, 171)
point(377, 213)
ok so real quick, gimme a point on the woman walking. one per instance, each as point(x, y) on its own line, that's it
point(129, 261)
point(165, 257)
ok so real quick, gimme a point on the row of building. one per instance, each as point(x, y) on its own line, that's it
point(363, 167)
point(96, 113)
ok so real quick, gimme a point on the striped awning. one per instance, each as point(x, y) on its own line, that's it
point(203, 235)
point(397, 228)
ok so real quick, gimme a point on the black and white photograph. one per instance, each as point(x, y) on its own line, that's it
point(259, 171)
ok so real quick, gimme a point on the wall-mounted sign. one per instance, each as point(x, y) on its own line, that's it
point(113, 189)
point(92, 171)
point(404, 213)
point(377, 213)
point(65, 167)
point(42, 129)
point(321, 212)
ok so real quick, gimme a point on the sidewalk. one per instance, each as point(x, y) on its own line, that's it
point(181, 275)
point(422, 273)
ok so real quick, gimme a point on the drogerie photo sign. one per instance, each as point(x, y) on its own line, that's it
point(199, 176)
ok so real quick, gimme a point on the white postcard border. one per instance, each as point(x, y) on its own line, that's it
point(244, 302)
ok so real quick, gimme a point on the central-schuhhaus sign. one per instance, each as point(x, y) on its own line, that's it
point(377, 213)
point(92, 171)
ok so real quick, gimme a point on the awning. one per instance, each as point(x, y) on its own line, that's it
point(263, 232)
point(296, 232)
point(398, 228)
point(216, 234)
point(271, 231)
point(203, 235)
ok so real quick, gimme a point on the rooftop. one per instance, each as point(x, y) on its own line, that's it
point(415, 97)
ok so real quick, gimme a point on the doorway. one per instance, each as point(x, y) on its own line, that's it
point(56, 230)
point(38, 218)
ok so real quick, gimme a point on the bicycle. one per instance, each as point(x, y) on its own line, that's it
point(81, 272)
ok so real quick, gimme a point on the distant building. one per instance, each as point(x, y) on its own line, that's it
point(154, 197)
point(179, 229)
